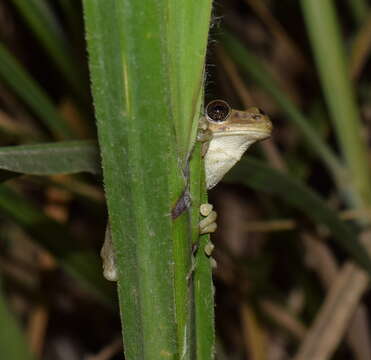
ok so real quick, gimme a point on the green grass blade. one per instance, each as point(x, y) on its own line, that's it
point(187, 40)
point(129, 65)
point(187, 33)
point(324, 33)
point(262, 76)
point(202, 278)
point(12, 341)
point(43, 23)
point(70, 10)
point(260, 177)
point(74, 22)
point(31, 93)
point(83, 264)
point(359, 9)
point(66, 157)
point(136, 74)
point(7, 175)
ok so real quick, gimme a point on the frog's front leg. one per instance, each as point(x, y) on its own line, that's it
point(108, 257)
point(206, 226)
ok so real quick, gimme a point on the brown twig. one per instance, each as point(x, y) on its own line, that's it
point(290, 224)
point(284, 318)
point(253, 334)
point(36, 329)
point(336, 312)
point(108, 351)
point(320, 258)
point(361, 49)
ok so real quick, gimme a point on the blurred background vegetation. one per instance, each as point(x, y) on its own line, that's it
point(291, 215)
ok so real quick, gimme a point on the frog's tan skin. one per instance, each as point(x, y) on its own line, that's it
point(226, 134)
point(107, 255)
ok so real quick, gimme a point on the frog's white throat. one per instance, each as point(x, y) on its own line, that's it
point(222, 154)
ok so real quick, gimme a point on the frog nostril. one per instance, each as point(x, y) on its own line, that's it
point(218, 110)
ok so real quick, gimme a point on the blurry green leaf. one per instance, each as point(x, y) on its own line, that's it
point(44, 24)
point(13, 73)
point(67, 157)
point(255, 174)
point(7, 175)
point(330, 55)
point(12, 341)
point(71, 10)
point(83, 264)
point(359, 9)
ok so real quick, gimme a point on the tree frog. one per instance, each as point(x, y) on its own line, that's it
point(226, 134)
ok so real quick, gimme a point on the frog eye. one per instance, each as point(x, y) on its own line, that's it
point(217, 110)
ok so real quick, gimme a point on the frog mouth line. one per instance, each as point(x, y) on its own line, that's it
point(258, 133)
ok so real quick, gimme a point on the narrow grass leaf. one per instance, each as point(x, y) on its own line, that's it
point(43, 22)
point(361, 49)
point(187, 40)
point(139, 66)
point(255, 174)
point(7, 175)
point(325, 35)
point(129, 69)
point(13, 343)
point(202, 277)
point(65, 157)
point(359, 9)
point(13, 73)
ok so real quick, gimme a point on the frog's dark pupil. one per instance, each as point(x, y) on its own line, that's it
point(218, 111)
